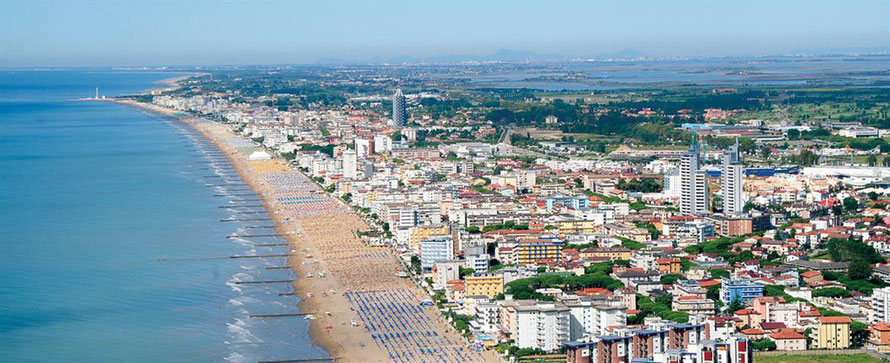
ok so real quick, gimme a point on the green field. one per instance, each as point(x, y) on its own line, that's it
point(820, 358)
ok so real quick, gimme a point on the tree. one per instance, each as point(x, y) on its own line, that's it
point(851, 204)
point(872, 160)
point(859, 270)
point(718, 273)
point(765, 152)
point(763, 344)
point(858, 334)
point(793, 134)
point(806, 158)
point(831, 292)
point(466, 272)
point(885, 161)
point(735, 305)
point(670, 279)
point(848, 250)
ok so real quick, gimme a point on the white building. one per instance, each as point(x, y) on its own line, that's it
point(542, 325)
point(591, 317)
point(399, 112)
point(487, 316)
point(382, 144)
point(479, 263)
point(362, 147)
point(435, 249)
point(672, 184)
point(880, 305)
point(350, 164)
point(731, 181)
point(693, 183)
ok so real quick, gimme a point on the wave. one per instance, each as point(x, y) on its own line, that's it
point(240, 334)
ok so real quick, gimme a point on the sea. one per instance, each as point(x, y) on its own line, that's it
point(113, 242)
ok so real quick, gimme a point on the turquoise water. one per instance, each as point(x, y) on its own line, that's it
point(111, 241)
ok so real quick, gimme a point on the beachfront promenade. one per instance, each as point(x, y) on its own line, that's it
point(363, 310)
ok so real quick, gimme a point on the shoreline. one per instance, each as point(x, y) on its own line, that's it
point(319, 336)
point(328, 242)
point(172, 83)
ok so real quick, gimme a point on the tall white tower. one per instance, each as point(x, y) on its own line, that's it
point(731, 181)
point(399, 113)
point(693, 182)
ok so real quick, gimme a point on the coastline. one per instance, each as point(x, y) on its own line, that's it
point(355, 271)
point(172, 83)
point(342, 325)
point(338, 347)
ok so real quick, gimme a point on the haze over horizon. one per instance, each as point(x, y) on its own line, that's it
point(52, 34)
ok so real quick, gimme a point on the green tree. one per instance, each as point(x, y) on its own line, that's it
point(670, 279)
point(831, 292)
point(735, 305)
point(872, 160)
point(859, 270)
point(858, 334)
point(718, 273)
point(851, 204)
point(763, 344)
point(806, 158)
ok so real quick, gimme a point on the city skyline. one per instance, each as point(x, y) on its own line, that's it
point(111, 34)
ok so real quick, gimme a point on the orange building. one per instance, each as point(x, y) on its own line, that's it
point(669, 265)
point(879, 337)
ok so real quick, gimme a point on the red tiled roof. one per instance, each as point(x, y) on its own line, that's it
point(835, 320)
point(787, 334)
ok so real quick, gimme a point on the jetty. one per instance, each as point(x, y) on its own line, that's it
point(254, 235)
point(262, 282)
point(242, 206)
point(286, 315)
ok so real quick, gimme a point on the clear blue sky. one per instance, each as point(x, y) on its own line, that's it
point(192, 32)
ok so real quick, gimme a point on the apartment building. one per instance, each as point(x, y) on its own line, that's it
point(542, 325)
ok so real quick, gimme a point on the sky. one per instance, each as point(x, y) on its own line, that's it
point(39, 33)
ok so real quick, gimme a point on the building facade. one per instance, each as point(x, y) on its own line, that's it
point(693, 183)
point(731, 181)
point(399, 110)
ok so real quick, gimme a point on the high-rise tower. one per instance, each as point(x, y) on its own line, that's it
point(693, 182)
point(399, 113)
point(731, 181)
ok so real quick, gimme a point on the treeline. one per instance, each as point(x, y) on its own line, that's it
point(640, 185)
point(444, 108)
point(749, 100)
point(648, 129)
point(535, 114)
point(524, 289)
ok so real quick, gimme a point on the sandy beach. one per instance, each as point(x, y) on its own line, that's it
point(359, 279)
